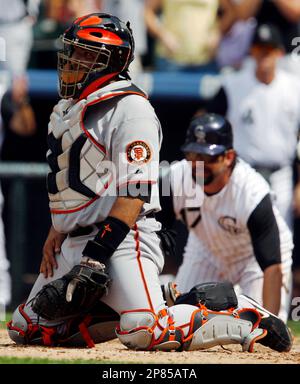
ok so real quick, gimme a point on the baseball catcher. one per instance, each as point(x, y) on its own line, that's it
point(104, 140)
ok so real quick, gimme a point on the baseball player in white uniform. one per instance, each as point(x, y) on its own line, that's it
point(235, 232)
point(105, 125)
point(263, 104)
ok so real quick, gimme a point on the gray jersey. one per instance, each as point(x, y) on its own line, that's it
point(115, 150)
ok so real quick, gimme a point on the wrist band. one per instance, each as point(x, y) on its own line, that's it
point(111, 233)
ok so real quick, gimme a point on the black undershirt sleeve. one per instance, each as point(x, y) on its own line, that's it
point(218, 104)
point(264, 234)
point(167, 214)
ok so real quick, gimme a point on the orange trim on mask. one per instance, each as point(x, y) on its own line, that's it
point(106, 38)
point(92, 20)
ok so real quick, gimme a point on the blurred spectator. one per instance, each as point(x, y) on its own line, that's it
point(5, 281)
point(77, 8)
point(16, 21)
point(263, 104)
point(187, 33)
point(132, 11)
point(65, 11)
point(16, 112)
point(54, 15)
point(285, 14)
point(235, 43)
point(17, 116)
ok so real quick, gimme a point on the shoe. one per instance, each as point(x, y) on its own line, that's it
point(279, 337)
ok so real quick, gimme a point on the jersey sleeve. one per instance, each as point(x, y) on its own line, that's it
point(135, 155)
point(264, 234)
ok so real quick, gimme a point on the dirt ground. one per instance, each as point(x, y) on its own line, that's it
point(114, 351)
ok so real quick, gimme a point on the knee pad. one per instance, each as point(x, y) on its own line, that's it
point(144, 330)
point(22, 330)
point(223, 328)
point(77, 332)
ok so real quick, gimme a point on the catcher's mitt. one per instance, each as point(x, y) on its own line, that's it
point(74, 294)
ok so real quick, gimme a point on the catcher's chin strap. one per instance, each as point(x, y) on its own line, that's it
point(144, 330)
point(22, 330)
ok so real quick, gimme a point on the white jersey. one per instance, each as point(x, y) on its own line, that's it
point(220, 221)
point(94, 161)
point(265, 118)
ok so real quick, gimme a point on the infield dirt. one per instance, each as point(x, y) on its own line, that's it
point(114, 351)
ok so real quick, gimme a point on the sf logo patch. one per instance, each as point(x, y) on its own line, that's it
point(138, 152)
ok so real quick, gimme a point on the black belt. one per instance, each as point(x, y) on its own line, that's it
point(267, 171)
point(84, 231)
point(267, 168)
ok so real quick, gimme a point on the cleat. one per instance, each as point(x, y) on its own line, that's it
point(279, 337)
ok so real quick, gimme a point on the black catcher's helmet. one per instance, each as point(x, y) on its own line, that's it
point(109, 43)
point(208, 134)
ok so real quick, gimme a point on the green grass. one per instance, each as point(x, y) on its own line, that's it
point(28, 360)
point(295, 327)
point(3, 323)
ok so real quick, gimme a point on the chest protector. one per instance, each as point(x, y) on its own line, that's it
point(74, 153)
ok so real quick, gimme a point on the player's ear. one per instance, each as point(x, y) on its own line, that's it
point(230, 157)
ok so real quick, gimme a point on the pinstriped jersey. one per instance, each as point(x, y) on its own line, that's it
point(97, 153)
point(219, 221)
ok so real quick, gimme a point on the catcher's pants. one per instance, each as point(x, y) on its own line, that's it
point(134, 269)
point(246, 275)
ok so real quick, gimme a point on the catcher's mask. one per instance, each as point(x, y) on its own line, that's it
point(96, 48)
